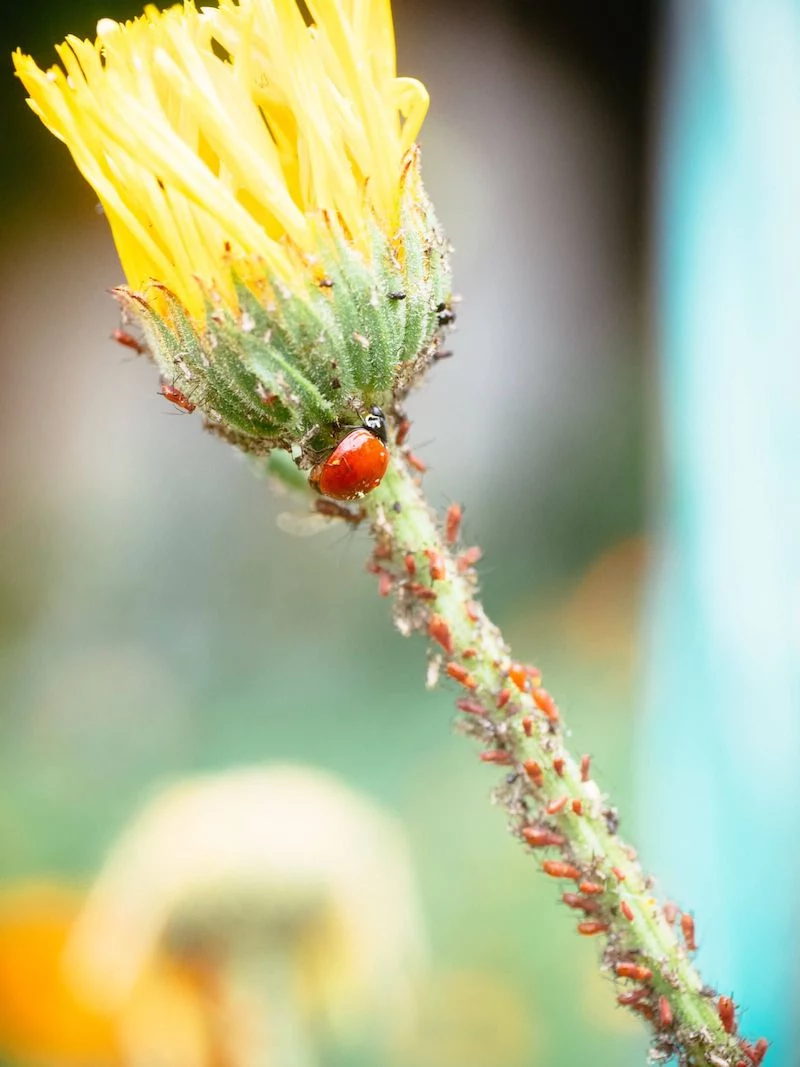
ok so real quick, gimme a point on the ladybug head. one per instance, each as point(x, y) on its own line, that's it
point(375, 422)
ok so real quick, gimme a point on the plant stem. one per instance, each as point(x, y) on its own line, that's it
point(553, 805)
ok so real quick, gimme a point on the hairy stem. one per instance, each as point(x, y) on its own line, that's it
point(553, 805)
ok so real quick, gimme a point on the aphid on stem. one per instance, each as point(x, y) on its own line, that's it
point(439, 631)
point(452, 523)
point(688, 930)
point(560, 869)
point(591, 928)
point(127, 340)
point(175, 396)
point(625, 969)
point(461, 675)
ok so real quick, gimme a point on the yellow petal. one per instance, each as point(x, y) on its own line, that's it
point(217, 136)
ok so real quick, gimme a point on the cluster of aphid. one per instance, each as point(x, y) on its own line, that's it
point(553, 803)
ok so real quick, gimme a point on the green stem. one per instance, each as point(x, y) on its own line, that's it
point(612, 896)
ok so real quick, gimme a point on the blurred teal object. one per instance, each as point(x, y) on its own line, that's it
point(720, 752)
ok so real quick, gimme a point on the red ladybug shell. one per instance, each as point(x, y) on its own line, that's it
point(354, 468)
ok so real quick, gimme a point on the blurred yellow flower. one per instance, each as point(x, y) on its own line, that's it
point(45, 1017)
point(296, 890)
point(221, 138)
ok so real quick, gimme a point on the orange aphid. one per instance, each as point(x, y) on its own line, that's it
point(534, 772)
point(589, 929)
point(439, 631)
point(545, 703)
point(559, 869)
point(436, 564)
point(452, 523)
point(634, 971)
point(591, 888)
point(539, 838)
point(687, 928)
point(461, 675)
point(727, 1014)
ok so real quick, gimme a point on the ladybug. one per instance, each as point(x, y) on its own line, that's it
point(357, 464)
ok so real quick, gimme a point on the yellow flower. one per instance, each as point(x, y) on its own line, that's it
point(219, 137)
point(257, 165)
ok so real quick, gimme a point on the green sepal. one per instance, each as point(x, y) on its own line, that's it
point(291, 370)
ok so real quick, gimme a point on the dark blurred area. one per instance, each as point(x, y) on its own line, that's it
point(156, 623)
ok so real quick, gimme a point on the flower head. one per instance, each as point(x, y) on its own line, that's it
point(258, 169)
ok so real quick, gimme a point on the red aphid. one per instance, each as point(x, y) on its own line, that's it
point(422, 592)
point(439, 631)
point(410, 564)
point(436, 564)
point(664, 1013)
point(634, 971)
point(122, 337)
point(577, 806)
point(176, 397)
point(632, 997)
point(585, 767)
point(589, 929)
point(527, 725)
point(503, 698)
point(452, 523)
point(496, 755)
point(574, 900)
point(473, 610)
point(626, 910)
point(760, 1050)
point(468, 558)
point(559, 869)
point(643, 1009)
point(555, 807)
point(470, 653)
point(592, 888)
point(545, 703)
point(540, 838)
point(470, 707)
point(670, 912)
point(618, 874)
point(402, 432)
point(534, 772)
point(461, 675)
point(418, 464)
point(687, 927)
point(558, 766)
point(385, 583)
point(519, 676)
point(727, 1014)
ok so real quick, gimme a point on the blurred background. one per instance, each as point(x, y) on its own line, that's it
point(636, 503)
